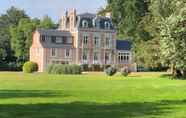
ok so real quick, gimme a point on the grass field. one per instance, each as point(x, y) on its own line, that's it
point(93, 95)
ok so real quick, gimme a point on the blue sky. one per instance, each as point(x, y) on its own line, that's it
point(53, 8)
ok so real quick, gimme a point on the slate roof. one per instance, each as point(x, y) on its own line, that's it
point(123, 45)
point(93, 18)
point(51, 32)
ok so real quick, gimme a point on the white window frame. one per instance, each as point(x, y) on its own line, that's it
point(124, 57)
point(107, 25)
point(54, 50)
point(85, 54)
point(59, 40)
point(108, 41)
point(108, 61)
point(69, 53)
point(96, 39)
point(85, 39)
point(96, 61)
point(85, 24)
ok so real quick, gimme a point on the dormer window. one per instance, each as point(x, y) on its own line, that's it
point(107, 25)
point(85, 24)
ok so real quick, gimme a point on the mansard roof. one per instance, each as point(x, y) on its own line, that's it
point(53, 32)
point(87, 15)
point(94, 21)
point(57, 33)
point(123, 45)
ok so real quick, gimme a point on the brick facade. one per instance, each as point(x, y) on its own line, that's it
point(93, 44)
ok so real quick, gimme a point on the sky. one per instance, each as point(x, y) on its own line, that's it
point(53, 8)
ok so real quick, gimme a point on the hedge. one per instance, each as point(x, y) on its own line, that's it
point(64, 69)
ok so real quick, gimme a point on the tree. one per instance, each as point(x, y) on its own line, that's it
point(173, 37)
point(47, 23)
point(127, 15)
point(22, 38)
point(10, 18)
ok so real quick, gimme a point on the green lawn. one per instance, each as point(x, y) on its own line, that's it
point(92, 95)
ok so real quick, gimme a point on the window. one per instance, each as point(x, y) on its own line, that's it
point(108, 42)
point(106, 56)
point(85, 56)
point(53, 39)
point(85, 24)
point(96, 41)
point(96, 57)
point(58, 40)
point(123, 57)
point(53, 52)
point(107, 25)
point(43, 38)
point(85, 40)
point(67, 52)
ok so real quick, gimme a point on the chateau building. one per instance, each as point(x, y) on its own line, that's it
point(81, 39)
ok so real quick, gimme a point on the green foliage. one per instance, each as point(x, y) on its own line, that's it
point(110, 71)
point(127, 15)
point(47, 23)
point(173, 37)
point(84, 67)
point(125, 72)
point(16, 29)
point(64, 69)
point(21, 38)
point(96, 67)
point(30, 67)
point(7, 20)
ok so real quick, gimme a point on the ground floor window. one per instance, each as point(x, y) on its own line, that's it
point(53, 52)
point(123, 57)
point(67, 53)
point(107, 58)
point(96, 57)
point(85, 56)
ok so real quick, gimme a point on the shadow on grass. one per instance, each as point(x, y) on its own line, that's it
point(4, 94)
point(170, 76)
point(89, 110)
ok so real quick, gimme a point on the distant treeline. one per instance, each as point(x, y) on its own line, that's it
point(16, 29)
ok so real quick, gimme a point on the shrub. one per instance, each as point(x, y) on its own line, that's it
point(125, 72)
point(95, 67)
point(50, 68)
point(64, 69)
point(84, 67)
point(75, 69)
point(30, 67)
point(111, 71)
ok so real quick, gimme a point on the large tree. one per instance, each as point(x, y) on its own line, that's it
point(47, 23)
point(10, 18)
point(127, 15)
point(21, 35)
point(173, 37)
point(22, 38)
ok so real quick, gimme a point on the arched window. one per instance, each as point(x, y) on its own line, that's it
point(107, 25)
point(85, 24)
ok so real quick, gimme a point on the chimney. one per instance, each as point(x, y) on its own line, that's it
point(72, 18)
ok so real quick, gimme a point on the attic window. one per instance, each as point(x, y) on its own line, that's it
point(85, 24)
point(107, 25)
